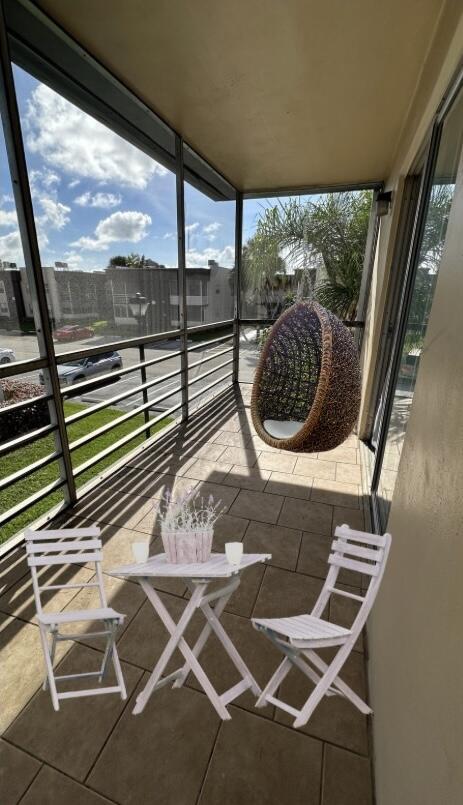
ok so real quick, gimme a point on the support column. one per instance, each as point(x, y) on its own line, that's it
point(182, 272)
point(22, 195)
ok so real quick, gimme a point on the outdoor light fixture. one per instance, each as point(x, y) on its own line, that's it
point(138, 306)
point(383, 203)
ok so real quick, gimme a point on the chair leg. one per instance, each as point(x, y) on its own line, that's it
point(118, 672)
point(49, 667)
point(274, 681)
point(111, 653)
point(52, 650)
point(321, 688)
point(107, 651)
point(340, 684)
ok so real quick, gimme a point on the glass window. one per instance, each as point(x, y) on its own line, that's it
point(430, 255)
point(299, 247)
point(303, 246)
point(16, 317)
point(210, 257)
point(106, 219)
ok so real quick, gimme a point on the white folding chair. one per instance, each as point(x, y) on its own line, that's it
point(73, 546)
point(298, 637)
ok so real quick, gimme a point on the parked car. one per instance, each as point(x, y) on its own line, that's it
point(72, 332)
point(7, 355)
point(75, 371)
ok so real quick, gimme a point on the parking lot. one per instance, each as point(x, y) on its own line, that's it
point(25, 347)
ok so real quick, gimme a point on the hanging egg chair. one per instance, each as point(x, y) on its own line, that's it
point(306, 392)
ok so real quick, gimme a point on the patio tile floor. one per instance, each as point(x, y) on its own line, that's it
point(178, 752)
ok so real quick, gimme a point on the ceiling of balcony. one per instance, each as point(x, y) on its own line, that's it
point(274, 93)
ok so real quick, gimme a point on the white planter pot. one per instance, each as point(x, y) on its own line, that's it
point(186, 547)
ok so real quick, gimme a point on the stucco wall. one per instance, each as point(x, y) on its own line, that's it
point(415, 631)
point(416, 645)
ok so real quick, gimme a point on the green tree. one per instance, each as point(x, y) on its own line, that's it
point(133, 260)
point(330, 231)
point(262, 267)
point(118, 260)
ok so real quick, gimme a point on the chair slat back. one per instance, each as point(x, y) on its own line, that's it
point(65, 546)
point(361, 552)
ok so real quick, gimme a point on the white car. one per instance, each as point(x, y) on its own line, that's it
point(7, 355)
point(75, 371)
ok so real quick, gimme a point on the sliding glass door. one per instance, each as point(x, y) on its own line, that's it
point(426, 248)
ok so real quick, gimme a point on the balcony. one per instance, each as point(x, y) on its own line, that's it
point(174, 177)
point(282, 503)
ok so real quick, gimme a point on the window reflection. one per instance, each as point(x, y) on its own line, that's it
point(210, 257)
point(432, 247)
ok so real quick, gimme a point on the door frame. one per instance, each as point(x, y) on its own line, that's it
point(415, 204)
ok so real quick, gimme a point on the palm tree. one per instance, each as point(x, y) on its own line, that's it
point(332, 229)
point(262, 265)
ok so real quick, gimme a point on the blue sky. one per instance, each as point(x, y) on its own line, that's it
point(95, 195)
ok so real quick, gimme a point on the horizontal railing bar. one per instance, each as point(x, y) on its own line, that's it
point(22, 367)
point(118, 397)
point(28, 502)
point(25, 403)
point(142, 340)
point(204, 328)
point(77, 387)
point(209, 386)
point(203, 344)
point(210, 372)
point(115, 422)
point(120, 443)
point(29, 469)
point(27, 438)
point(269, 322)
point(210, 357)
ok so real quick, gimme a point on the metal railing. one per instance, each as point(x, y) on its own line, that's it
point(219, 348)
point(214, 350)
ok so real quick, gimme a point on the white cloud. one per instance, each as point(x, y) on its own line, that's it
point(168, 235)
point(10, 248)
point(74, 183)
point(8, 218)
point(6, 198)
point(103, 201)
point(73, 259)
point(120, 226)
point(192, 227)
point(224, 257)
point(211, 228)
point(55, 214)
point(72, 141)
point(43, 180)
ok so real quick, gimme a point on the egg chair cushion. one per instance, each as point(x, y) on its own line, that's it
point(307, 381)
point(282, 429)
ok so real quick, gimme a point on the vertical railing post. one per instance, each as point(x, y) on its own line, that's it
point(22, 195)
point(237, 305)
point(182, 272)
point(146, 413)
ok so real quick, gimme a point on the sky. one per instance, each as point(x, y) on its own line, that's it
point(96, 195)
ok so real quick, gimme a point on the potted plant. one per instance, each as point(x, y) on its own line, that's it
point(187, 526)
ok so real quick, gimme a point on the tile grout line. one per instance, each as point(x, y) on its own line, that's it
point(214, 744)
point(322, 774)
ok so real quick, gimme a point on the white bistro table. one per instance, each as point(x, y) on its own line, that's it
point(197, 576)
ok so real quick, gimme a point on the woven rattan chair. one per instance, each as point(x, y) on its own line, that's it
point(306, 392)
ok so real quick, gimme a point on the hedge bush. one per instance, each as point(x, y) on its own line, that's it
point(17, 422)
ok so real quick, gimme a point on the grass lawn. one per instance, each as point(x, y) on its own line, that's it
point(42, 447)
